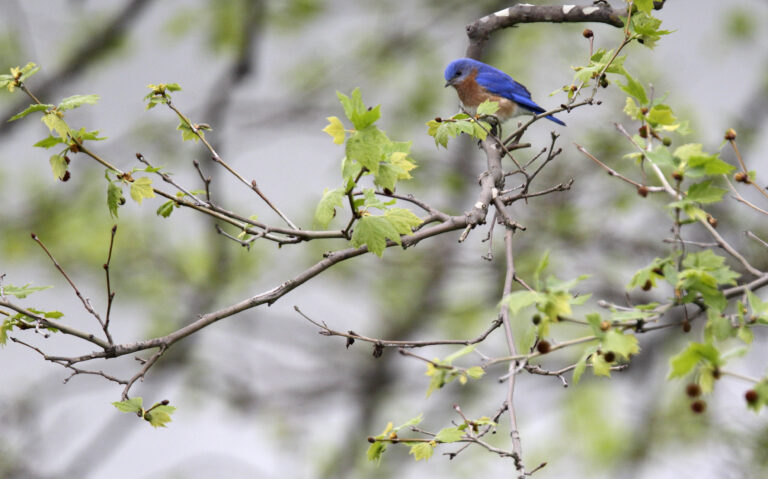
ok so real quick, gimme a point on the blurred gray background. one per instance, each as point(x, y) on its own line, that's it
point(262, 395)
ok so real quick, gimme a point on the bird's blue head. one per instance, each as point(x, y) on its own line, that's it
point(458, 70)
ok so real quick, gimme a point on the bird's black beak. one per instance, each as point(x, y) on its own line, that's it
point(448, 83)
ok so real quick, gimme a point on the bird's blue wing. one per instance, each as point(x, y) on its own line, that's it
point(499, 83)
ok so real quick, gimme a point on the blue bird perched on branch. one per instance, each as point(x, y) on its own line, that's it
point(476, 82)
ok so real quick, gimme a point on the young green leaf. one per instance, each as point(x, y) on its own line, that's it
point(422, 450)
point(76, 101)
point(142, 188)
point(326, 208)
point(335, 129)
point(130, 405)
point(449, 434)
point(114, 193)
point(30, 109)
point(22, 292)
point(58, 166)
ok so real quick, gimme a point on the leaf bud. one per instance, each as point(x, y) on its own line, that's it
point(677, 175)
point(667, 141)
point(66, 176)
point(686, 326)
point(716, 373)
point(587, 33)
point(642, 190)
point(543, 347)
point(74, 148)
point(165, 402)
point(644, 110)
point(693, 390)
point(647, 285)
point(751, 396)
point(573, 88)
point(741, 177)
point(730, 134)
point(712, 220)
point(66, 159)
point(438, 119)
point(371, 439)
point(643, 131)
point(605, 326)
point(698, 406)
point(658, 271)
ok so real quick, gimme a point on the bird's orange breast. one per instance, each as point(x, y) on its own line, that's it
point(471, 94)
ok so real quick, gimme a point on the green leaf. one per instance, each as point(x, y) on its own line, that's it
point(373, 231)
point(142, 188)
point(22, 292)
point(600, 367)
point(326, 208)
point(635, 89)
point(644, 6)
point(622, 344)
point(365, 147)
point(56, 124)
point(476, 372)
point(188, 133)
point(30, 109)
point(422, 450)
point(375, 451)
point(661, 115)
point(5, 327)
point(159, 416)
point(76, 101)
point(449, 434)
point(53, 314)
point(166, 209)
point(487, 108)
point(49, 142)
point(58, 166)
point(414, 421)
point(360, 116)
point(520, 300)
point(705, 193)
point(131, 405)
point(114, 193)
point(581, 364)
point(336, 130)
point(456, 355)
point(684, 362)
point(632, 110)
point(402, 220)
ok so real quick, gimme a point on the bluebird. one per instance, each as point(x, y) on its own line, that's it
point(476, 82)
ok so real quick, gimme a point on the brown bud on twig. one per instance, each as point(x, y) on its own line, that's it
point(642, 190)
point(658, 271)
point(536, 319)
point(139, 156)
point(605, 325)
point(716, 373)
point(371, 439)
point(644, 110)
point(643, 131)
point(686, 326)
point(543, 347)
point(712, 220)
point(66, 176)
point(378, 350)
point(350, 341)
point(730, 134)
point(573, 88)
point(741, 177)
point(74, 148)
point(609, 356)
point(121, 201)
point(66, 159)
point(587, 33)
point(438, 119)
point(698, 406)
point(693, 390)
point(677, 175)
point(647, 285)
point(165, 402)
point(751, 396)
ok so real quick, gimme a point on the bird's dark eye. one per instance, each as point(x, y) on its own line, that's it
point(457, 73)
